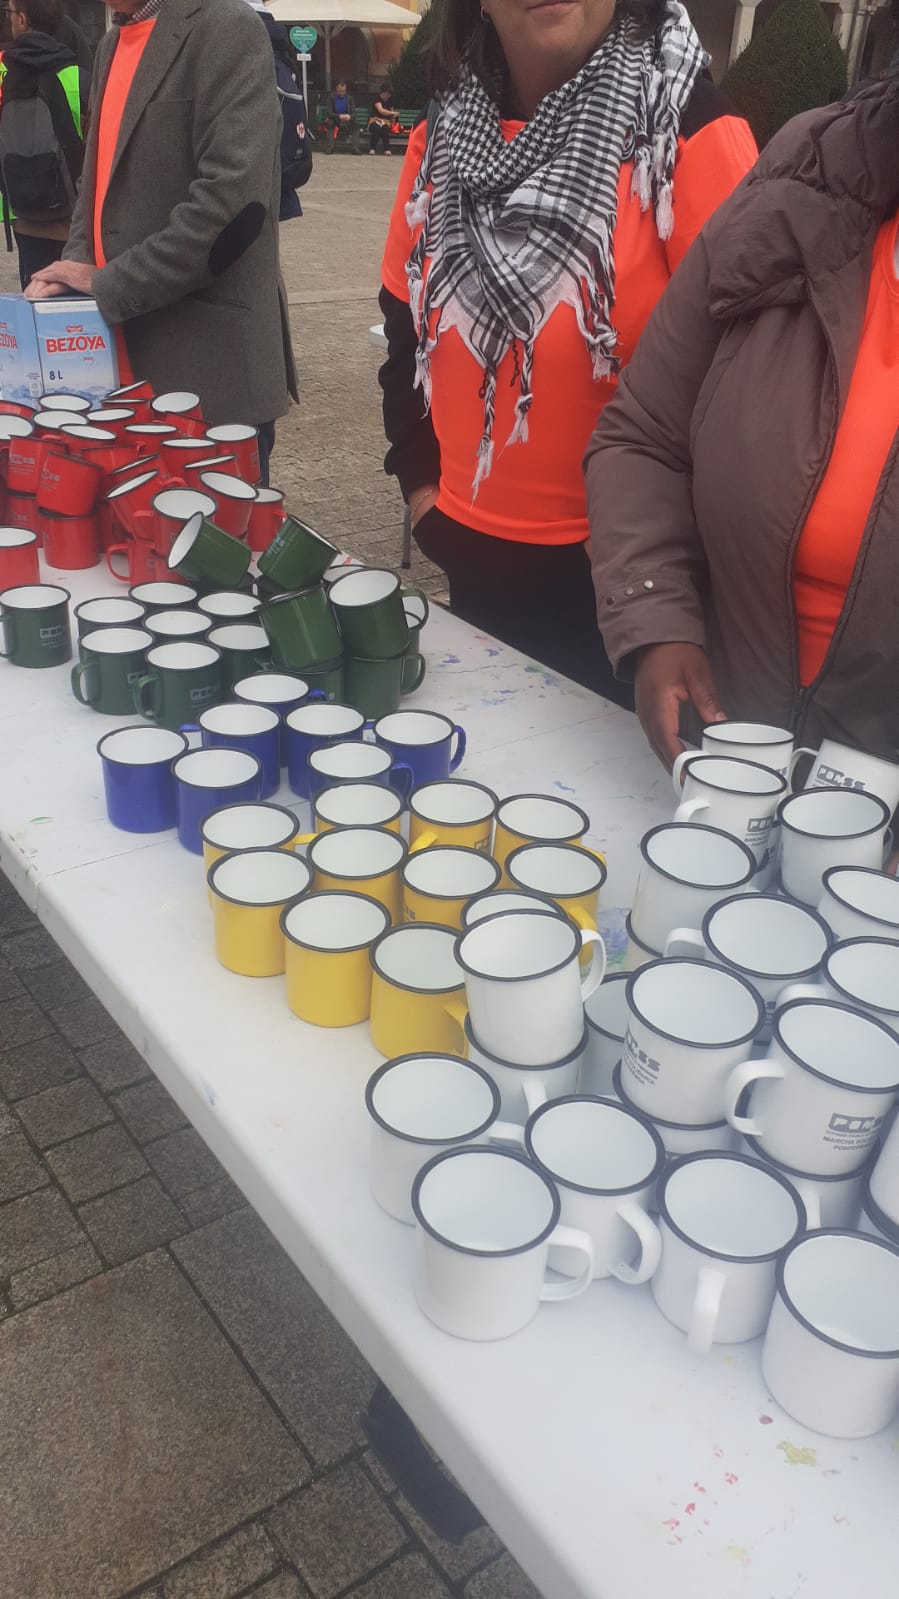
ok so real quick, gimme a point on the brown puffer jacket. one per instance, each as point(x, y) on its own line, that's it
point(703, 468)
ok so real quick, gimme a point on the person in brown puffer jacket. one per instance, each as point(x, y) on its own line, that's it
point(743, 486)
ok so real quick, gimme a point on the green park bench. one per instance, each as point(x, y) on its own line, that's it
point(407, 120)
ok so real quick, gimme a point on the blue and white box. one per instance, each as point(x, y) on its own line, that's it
point(20, 365)
point(76, 348)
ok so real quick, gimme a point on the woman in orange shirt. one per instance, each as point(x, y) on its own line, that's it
point(573, 151)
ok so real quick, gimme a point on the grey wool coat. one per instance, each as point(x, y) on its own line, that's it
point(190, 219)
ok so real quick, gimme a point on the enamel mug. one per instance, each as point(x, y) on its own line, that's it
point(249, 892)
point(328, 939)
point(205, 780)
point(137, 777)
point(228, 605)
point(740, 797)
point(686, 868)
point(253, 728)
point(179, 680)
point(367, 860)
point(536, 819)
point(439, 882)
point(637, 954)
point(821, 1095)
point(163, 595)
point(420, 1105)
point(233, 501)
point(244, 649)
point(266, 516)
point(246, 825)
point(524, 1088)
point(243, 442)
point(605, 1163)
point(523, 984)
point(417, 991)
point(34, 625)
point(751, 741)
point(831, 1199)
point(372, 616)
point(570, 876)
point(279, 691)
point(606, 1015)
point(862, 973)
point(838, 766)
point(178, 406)
point(824, 827)
point(301, 628)
point(112, 660)
point(831, 1351)
point(860, 902)
point(429, 744)
point(884, 1183)
point(19, 562)
point(874, 1221)
point(308, 727)
point(689, 1024)
point(452, 811)
point(485, 1222)
point(724, 1220)
point(296, 557)
point(355, 761)
point(357, 805)
point(498, 900)
point(174, 507)
point(679, 1138)
point(204, 553)
point(107, 612)
point(132, 496)
point(181, 622)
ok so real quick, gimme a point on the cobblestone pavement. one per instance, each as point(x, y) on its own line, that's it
point(178, 1411)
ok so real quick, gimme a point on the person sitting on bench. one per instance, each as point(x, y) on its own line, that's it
point(342, 115)
point(380, 123)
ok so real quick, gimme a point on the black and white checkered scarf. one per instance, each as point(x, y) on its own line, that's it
point(513, 229)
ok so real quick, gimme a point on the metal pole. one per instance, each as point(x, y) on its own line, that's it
point(303, 60)
point(327, 28)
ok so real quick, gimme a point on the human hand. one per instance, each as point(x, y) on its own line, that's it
point(669, 676)
point(74, 276)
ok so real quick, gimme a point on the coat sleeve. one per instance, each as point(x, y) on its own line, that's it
point(236, 140)
point(414, 454)
point(649, 566)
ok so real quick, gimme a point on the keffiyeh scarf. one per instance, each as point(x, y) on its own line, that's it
point(512, 230)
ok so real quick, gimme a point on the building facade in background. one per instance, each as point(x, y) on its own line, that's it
point(862, 28)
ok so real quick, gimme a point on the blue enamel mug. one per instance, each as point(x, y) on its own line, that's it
point(309, 727)
point(429, 744)
point(254, 728)
point(280, 691)
point(207, 779)
point(356, 761)
point(137, 777)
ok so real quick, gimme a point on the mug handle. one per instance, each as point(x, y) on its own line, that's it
point(706, 1309)
point(750, 1071)
point(688, 808)
point(419, 679)
point(794, 758)
point(461, 746)
point(78, 674)
point(402, 778)
point(191, 727)
point(535, 1095)
point(650, 1240)
point(680, 762)
point(596, 971)
point(457, 1010)
point(117, 549)
point(685, 943)
point(506, 1133)
point(417, 594)
point(570, 1238)
point(6, 621)
point(424, 842)
point(140, 698)
point(800, 991)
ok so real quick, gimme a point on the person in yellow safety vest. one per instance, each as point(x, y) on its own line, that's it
point(40, 154)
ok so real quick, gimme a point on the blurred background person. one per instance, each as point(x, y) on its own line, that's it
point(380, 123)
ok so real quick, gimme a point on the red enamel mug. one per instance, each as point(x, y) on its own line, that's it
point(21, 511)
point(19, 562)
point(68, 486)
point(178, 404)
point(116, 417)
point(115, 458)
point(26, 458)
point(49, 424)
point(266, 516)
point(133, 494)
point(138, 393)
point(173, 507)
point(178, 453)
point(83, 436)
point(142, 564)
point(234, 501)
point(193, 470)
point(13, 408)
point(64, 402)
point(108, 525)
point(148, 436)
point(242, 441)
point(71, 542)
point(137, 463)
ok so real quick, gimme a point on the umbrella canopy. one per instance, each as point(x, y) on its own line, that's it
point(344, 13)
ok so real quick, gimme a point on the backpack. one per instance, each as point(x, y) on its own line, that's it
point(41, 153)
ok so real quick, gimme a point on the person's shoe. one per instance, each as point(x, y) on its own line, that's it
point(372, 152)
point(388, 152)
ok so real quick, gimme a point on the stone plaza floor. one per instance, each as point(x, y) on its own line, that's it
point(178, 1411)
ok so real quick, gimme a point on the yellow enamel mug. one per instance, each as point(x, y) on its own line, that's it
point(536, 819)
point(249, 891)
point(366, 860)
point(566, 873)
point(357, 805)
point(452, 811)
point(328, 939)
point(417, 991)
point(439, 882)
point(246, 826)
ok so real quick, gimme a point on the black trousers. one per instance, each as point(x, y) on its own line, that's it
point(36, 253)
point(379, 136)
point(536, 597)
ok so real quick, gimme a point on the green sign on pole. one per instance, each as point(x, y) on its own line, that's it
point(303, 39)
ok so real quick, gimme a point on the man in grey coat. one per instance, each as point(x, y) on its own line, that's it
point(184, 251)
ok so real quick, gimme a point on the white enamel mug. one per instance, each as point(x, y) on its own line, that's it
point(860, 902)
point(862, 973)
point(767, 940)
point(750, 741)
point(606, 1017)
point(741, 797)
point(420, 1105)
point(831, 1352)
point(637, 954)
point(689, 1024)
point(523, 984)
point(724, 1221)
point(605, 1163)
point(823, 827)
point(876, 1222)
point(837, 766)
point(524, 1088)
point(820, 1097)
point(680, 1138)
point(485, 1222)
point(884, 1184)
point(831, 1200)
point(686, 869)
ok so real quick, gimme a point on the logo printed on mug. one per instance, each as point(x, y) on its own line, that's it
point(832, 777)
point(854, 1126)
point(51, 635)
point(199, 696)
point(644, 1068)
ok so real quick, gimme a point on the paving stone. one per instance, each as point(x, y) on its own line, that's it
point(85, 1022)
point(54, 1275)
point(245, 1557)
point(25, 951)
point(96, 1162)
point(11, 986)
point(23, 1021)
point(285, 1586)
point(20, 1169)
point(8, 1123)
point(208, 1204)
point(138, 1436)
point(409, 1578)
point(379, 1473)
point(57, 986)
point(114, 1063)
point(456, 1560)
point(63, 1112)
point(14, 913)
point(503, 1580)
point(36, 1066)
point(336, 1530)
point(148, 1111)
point(316, 1376)
point(183, 1162)
point(131, 1220)
point(34, 1228)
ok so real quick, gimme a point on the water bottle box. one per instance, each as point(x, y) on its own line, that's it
point(76, 347)
point(20, 364)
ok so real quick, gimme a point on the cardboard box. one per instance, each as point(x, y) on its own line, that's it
point(76, 348)
point(20, 366)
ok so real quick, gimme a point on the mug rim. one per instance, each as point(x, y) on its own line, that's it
point(875, 1212)
point(114, 599)
point(815, 1071)
point(554, 1065)
point(862, 832)
point(777, 899)
point(691, 1043)
point(430, 1054)
point(704, 827)
point(596, 1027)
point(396, 982)
point(63, 595)
point(552, 909)
point(793, 1172)
point(257, 904)
point(554, 798)
point(119, 627)
point(166, 643)
point(712, 729)
point(435, 782)
point(551, 843)
point(320, 893)
point(241, 681)
point(235, 805)
point(846, 943)
point(634, 938)
point(291, 594)
point(212, 750)
point(796, 1313)
point(142, 727)
point(437, 716)
point(353, 571)
point(382, 788)
point(742, 793)
point(468, 1249)
point(433, 893)
point(871, 871)
point(729, 1155)
point(661, 1154)
point(243, 705)
point(516, 977)
point(360, 877)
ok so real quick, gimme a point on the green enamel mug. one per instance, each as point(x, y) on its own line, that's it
point(34, 621)
point(244, 649)
point(326, 680)
point(370, 608)
point(112, 661)
point(296, 557)
point(206, 555)
point(179, 681)
point(302, 629)
point(413, 661)
point(374, 687)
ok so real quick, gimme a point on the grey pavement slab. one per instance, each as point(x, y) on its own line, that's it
point(504, 1579)
point(20, 1169)
point(131, 1220)
point(408, 1578)
point(337, 1530)
point(84, 1022)
point(127, 1458)
point(53, 1276)
point(114, 1063)
point(285, 1586)
point(148, 1111)
point(182, 1162)
point(62, 1112)
point(243, 1558)
point(96, 1162)
point(33, 1229)
point(209, 1203)
point(32, 1067)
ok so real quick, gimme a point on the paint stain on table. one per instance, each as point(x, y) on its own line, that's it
point(795, 1455)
